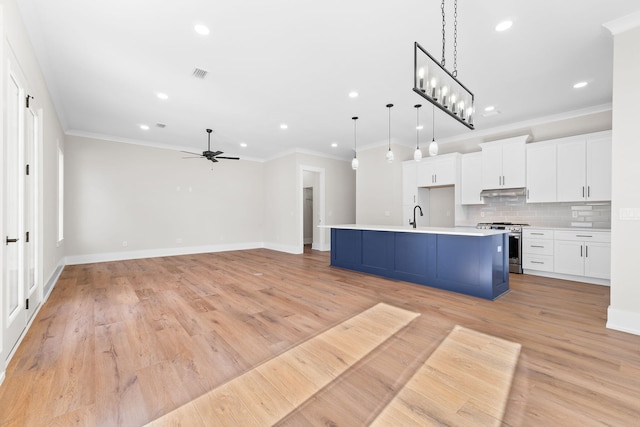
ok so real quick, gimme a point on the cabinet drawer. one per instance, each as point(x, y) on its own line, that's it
point(537, 246)
point(537, 262)
point(537, 233)
point(584, 236)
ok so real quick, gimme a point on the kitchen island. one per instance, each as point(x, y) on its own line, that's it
point(465, 260)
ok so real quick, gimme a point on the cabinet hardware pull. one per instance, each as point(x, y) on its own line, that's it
point(11, 240)
point(586, 251)
point(537, 246)
point(583, 235)
point(583, 191)
point(538, 234)
point(527, 193)
point(580, 251)
point(588, 191)
point(537, 262)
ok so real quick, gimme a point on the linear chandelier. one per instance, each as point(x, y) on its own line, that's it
point(433, 82)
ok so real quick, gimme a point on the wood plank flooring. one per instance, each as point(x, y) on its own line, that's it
point(125, 343)
point(465, 381)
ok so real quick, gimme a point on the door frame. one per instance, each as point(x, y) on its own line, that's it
point(317, 198)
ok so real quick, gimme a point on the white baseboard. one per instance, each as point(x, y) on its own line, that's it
point(324, 248)
point(623, 320)
point(583, 279)
point(155, 253)
point(290, 249)
point(53, 279)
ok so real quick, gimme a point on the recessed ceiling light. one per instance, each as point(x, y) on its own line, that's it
point(162, 96)
point(580, 85)
point(489, 108)
point(504, 25)
point(144, 127)
point(203, 30)
point(243, 144)
point(284, 126)
point(353, 94)
point(334, 144)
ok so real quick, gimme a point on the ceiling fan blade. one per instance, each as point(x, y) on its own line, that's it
point(213, 159)
point(216, 153)
point(189, 152)
point(228, 158)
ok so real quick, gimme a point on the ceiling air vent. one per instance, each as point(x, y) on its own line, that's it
point(200, 73)
point(161, 125)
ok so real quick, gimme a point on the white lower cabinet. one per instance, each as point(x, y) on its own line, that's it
point(537, 249)
point(585, 254)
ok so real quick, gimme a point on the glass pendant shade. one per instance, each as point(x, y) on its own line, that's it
point(390, 156)
point(354, 162)
point(417, 155)
point(433, 148)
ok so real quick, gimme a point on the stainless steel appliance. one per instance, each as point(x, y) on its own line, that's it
point(515, 242)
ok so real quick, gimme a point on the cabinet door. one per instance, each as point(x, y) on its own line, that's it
point(491, 167)
point(571, 161)
point(568, 257)
point(599, 169)
point(409, 184)
point(513, 165)
point(445, 171)
point(426, 173)
point(597, 261)
point(472, 179)
point(541, 173)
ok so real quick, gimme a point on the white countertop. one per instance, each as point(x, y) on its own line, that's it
point(457, 231)
point(541, 227)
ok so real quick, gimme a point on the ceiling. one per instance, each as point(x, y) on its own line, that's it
point(295, 62)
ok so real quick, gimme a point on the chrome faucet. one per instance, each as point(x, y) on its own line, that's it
point(413, 224)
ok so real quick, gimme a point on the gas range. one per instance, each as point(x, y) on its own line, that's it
point(517, 228)
point(515, 241)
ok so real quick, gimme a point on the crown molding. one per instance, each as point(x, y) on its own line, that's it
point(623, 24)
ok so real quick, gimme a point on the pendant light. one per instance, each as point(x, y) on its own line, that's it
point(354, 162)
point(433, 146)
point(389, 153)
point(417, 155)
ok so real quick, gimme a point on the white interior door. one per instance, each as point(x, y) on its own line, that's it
point(23, 290)
point(15, 318)
point(32, 135)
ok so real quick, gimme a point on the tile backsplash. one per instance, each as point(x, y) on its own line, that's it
point(516, 210)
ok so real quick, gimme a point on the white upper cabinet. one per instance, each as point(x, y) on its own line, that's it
point(503, 163)
point(599, 167)
point(541, 172)
point(472, 178)
point(409, 183)
point(438, 171)
point(584, 168)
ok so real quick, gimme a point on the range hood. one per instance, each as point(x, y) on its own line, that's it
point(501, 192)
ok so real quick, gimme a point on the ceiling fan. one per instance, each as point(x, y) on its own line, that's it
point(208, 154)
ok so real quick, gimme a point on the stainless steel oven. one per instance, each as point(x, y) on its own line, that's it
point(515, 242)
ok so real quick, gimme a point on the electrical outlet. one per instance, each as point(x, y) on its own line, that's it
point(178, 240)
point(574, 214)
point(124, 244)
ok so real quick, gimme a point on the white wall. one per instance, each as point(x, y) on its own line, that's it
point(624, 311)
point(14, 37)
point(379, 185)
point(157, 202)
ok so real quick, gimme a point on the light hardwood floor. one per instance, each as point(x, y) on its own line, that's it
point(124, 343)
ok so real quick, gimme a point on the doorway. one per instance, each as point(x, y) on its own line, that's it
point(311, 190)
point(20, 260)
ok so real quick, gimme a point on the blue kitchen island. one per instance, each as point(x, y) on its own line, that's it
point(465, 260)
